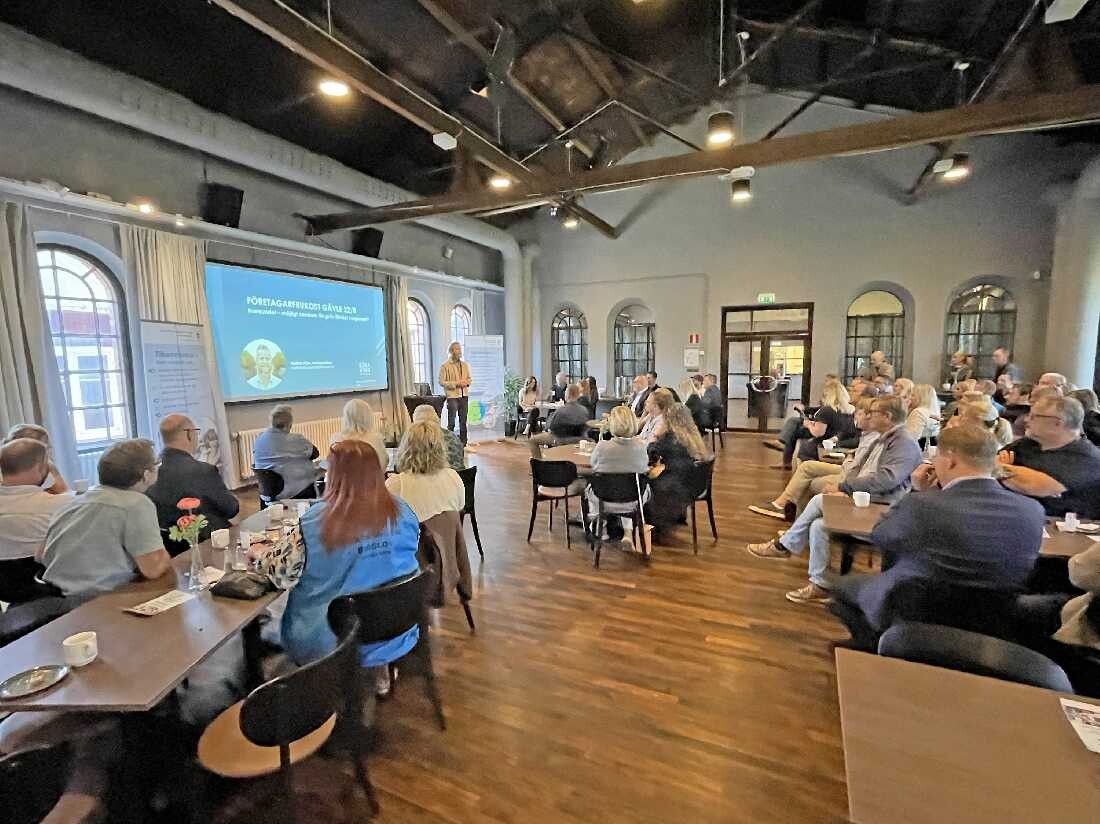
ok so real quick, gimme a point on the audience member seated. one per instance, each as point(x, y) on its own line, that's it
point(877, 367)
point(959, 368)
point(1017, 404)
point(424, 481)
point(690, 398)
point(452, 446)
point(1004, 367)
point(638, 396)
point(923, 418)
point(830, 420)
point(959, 390)
point(623, 453)
point(712, 398)
point(677, 446)
point(54, 482)
point(1091, 425)
point(528, 405)
point(812, 477)
point(358, 423)
point(359, 536)
point(567, 424)
point(181, 476)
point(557, 391)
point(1004, 384)
point(989, 389)
point(979, 410)
point(98, 541)
point(590, 396)
point(1055, 380)
point(958, 527)
point(882, 470)
point(1054, 453)
point(290, 454)
point(658, 403)
point(25, 512)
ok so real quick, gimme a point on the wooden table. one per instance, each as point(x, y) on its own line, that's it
point(995, 752)
point(568, 452)
point(141, 659)
point(258, 521)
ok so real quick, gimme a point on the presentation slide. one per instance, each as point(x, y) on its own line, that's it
point(278, 335)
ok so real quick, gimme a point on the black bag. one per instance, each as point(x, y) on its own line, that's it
point(244, 586)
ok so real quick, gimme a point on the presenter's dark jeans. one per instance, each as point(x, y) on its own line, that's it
point(457, 407)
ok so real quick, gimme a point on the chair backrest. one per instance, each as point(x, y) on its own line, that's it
point(22, 619)
point(294, 705)
point(269, 482)
point(972, 652)
point(618, 487)
point(978, 609)
point(469, 478)
point(32, 781)
point(553, 473)
point(701, 474)
point(388, 611)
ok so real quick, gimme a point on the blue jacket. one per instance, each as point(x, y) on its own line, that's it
point(975, 533)
point(900, 455)
point(363, 565)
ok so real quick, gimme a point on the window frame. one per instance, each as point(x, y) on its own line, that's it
point(567, 321)
point(465, 317)
point(891, 343)
point(418, 323)
point(988, 334)
point(625, 344)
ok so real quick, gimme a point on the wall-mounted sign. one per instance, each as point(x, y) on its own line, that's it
point(693, 357)
point(766, 297)
point(693, 337)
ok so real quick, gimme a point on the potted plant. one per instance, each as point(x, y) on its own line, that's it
point(513, 383)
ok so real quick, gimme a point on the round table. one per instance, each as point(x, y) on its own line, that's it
point(568, 452)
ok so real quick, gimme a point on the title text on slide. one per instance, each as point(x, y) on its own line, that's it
point(308, 306)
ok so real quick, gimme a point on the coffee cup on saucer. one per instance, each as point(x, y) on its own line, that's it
point(80, 649)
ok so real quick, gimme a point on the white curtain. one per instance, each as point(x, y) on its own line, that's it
point(169, 273)
point(401, 372)
point(30, 385)
point(477, 309)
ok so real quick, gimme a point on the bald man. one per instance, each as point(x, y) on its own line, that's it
point(181, 476)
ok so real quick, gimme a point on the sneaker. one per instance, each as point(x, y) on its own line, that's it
point(769, 509)
point(771, 549)
point(775, 444)
point(810, 594)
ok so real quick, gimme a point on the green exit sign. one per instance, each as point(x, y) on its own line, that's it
point(766, 297)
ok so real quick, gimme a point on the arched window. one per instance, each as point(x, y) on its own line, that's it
point(569, 344)
point(876, 322)
point(462, 323)
point(635, 344)
point(980, 319)
point(87, 322)
point(420, 342)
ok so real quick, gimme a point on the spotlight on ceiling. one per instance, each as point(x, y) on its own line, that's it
point(959, 168)
point(720, 128)
point(447, 142)
point(146, 207)
point(740, 191)
point(333, 88)
point(180, 222)
point(500, 182)
point(569, 221)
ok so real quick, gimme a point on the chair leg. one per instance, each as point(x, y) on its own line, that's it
point(469, 615)
point(710, 514)
point(534, 511)
point(568, 545)
point(286, 782)
point(721, 442)
point(694, 531)
point(847, 556)
point(432, 689)
point(598, 538)
point(477, 535)
point(550, 517)
point(363, 774)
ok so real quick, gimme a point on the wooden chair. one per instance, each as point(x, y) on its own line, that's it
point(616, 488)
point(269, 483)
point(388, 612)
point(469, 479)
point(703, 481)
point(550, 481)
point(289, 718)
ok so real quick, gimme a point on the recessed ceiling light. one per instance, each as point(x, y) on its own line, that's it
point(333, 88)
point(720, 129)
point(740, 191)
point(500, 182)
point(570, 222)
point(960, 167)
point(180, 222)
point(146, 207)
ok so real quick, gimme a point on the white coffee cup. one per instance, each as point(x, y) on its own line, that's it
point(80, 649)
point(220, 538)
point(1071, 521)
point(829, 444)
point(80, 486)
point(861, 499)
point(275, 513)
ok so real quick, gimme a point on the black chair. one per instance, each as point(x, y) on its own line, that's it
point(550, 481)
point(972, 652)
point(616, 488)
point(522, 416)
point(391, 610)
point(469, 479)
point(299, 708)
point(32, 781)
point(269, 483)
point(701, 487)
point(714, 425)
point(23, 619)
point(976, 609)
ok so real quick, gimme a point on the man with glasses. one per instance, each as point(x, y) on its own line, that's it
point(182, 476)
point(882, 469)
point(1053, 463)
point(101, 539)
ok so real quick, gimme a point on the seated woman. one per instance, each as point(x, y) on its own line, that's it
point(980, 410)
point(528, 405)
point(677, 447)
point(424, 481)
point(832, 418)
point(590, 396)
point(358, 424)
point(659, 401)
point(923, 420)
point(689, 397)
point(452, 446)
point(623, 453)
point(357, 537)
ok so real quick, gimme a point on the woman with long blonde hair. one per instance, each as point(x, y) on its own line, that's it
point(676, 449)
point(424, 479)
point(923, 420)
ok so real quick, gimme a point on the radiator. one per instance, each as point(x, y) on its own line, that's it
point(318, 432)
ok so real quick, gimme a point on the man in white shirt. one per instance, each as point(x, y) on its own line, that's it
point(25, 511)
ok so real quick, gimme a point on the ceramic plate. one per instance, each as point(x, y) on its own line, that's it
point(32, 681)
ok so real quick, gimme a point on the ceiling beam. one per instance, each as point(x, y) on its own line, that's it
point(778, 35)
point(1045, 111)
point(288, 28)
point(603, 81)
point(886, 42)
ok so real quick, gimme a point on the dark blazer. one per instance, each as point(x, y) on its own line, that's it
point(637, 402)
point(975, 533)
point(900, 455)
point(557, 393)
point(698, 412)
point(181, 476)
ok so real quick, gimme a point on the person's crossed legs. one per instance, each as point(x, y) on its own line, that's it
point(808, 530)
point(809, 479)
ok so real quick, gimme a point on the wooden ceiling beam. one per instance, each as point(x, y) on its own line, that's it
point(1046, 111)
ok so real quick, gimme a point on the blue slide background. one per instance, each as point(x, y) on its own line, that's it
point(333, 340)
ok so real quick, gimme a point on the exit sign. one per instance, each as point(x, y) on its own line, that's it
point(766, 297)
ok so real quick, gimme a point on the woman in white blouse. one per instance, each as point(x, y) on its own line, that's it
point(358, 424)
point(528, 404)
point(923, 420)
point(424, 480)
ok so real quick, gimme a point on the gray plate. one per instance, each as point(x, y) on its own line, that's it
point(34, 680)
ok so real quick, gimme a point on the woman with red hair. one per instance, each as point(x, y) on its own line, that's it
point(357, 537)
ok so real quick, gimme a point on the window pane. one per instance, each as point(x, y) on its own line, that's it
point(91, 425)
point(99, 287)
point(120, 422)
point(53, 314)
point(105, 317)
point(110, 351)
point(77, 317)
point(81, 350)
point(46, 275)
point(70, 286)
point(116, 392)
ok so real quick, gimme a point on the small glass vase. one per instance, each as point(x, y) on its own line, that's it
point(194, 583)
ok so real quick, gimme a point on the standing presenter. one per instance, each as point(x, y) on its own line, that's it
point(454, 377)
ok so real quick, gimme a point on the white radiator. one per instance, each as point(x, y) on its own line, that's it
point(318, 432)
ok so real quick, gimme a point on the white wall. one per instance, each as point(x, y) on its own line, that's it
point(822, 232)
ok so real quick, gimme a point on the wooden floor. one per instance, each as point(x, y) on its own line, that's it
point(688, 690)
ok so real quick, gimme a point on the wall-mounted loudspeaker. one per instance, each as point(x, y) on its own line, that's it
point(221, 204)
point(366, 242)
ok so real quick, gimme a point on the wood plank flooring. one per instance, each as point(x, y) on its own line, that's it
point(686, 690)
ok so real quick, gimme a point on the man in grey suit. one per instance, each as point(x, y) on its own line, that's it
point(960, 527)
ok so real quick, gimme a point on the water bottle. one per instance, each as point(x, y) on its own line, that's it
point(1071, 522)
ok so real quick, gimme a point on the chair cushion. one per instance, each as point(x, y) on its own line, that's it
point(552, 491)
point(225, 751)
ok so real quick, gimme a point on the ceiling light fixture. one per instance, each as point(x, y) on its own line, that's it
point(180, 222)
point(333, 88)
point(720, 129)
point(146, 207)
point(447, 142)
point(741, 190)
point(500, 182)
point(569, 221)
point(959, 168)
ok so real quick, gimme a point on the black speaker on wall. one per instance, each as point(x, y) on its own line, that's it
point(366, 242)
point(221, 204)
